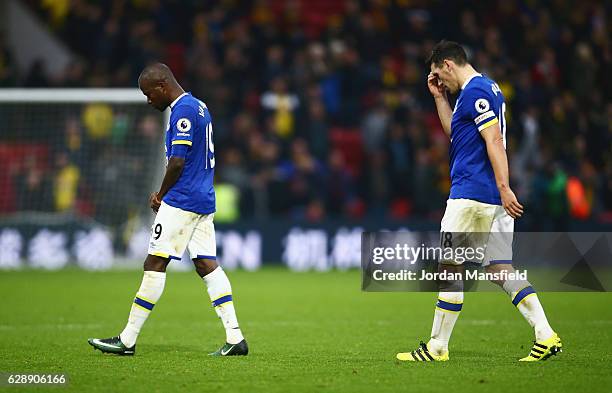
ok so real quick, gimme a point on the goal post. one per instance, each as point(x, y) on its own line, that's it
point(67, 95)
point(76, 169)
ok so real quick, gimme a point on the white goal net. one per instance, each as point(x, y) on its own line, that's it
point(76, 169)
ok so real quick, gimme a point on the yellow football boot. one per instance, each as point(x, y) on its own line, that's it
point(421, 354)
point(542, 350)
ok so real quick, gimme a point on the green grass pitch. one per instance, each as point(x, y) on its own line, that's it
point(308, 332)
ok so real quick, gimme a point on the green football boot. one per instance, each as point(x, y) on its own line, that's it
point(240, 349)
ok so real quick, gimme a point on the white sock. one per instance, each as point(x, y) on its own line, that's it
point(447, 311)
point(527, 302)
point(220, 292)
point(149, 293)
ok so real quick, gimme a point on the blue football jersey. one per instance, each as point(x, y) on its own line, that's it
point(479, 105)
point(189, 135)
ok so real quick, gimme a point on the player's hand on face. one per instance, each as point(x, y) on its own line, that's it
point(154, 202)
point(511, 204)
point(436, 88)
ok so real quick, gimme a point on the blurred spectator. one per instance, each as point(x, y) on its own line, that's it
point(374, 127)
point(399, 151)
point(113, 186)
point(74, 75)
point(583, 72)
point(8, 71)
point(282, 104)
point(98, 120)
point(227, 197)
point(37, 75)
point(301, 172)
point(557, 194)
point(66, 183)
point(339, 185)
point(317, 131)
point(33, 188)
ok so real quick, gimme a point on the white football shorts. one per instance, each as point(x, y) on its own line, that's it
point(486, 228)
point(175, 230)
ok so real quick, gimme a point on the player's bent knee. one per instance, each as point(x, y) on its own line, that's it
point(497, 268)
point(156, 263)
point(450, 285)
point(204, 266)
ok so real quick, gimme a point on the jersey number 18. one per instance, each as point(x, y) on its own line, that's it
point(502, 113)
point(502, 122)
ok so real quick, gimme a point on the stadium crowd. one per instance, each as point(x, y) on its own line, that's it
point(321, 109)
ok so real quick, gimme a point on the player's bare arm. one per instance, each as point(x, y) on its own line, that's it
point(499, 161)
point(173, 172)
point(438, 91)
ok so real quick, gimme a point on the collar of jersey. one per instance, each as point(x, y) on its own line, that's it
point(469, 79)
point(177, 100)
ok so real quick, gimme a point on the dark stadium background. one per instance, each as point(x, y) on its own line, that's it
point(357, 142)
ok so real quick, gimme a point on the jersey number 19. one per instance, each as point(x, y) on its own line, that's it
point(210, 147)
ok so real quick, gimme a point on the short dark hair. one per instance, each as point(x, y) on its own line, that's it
point(447, 50)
